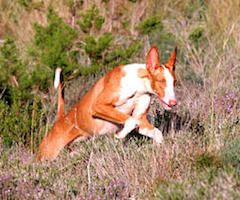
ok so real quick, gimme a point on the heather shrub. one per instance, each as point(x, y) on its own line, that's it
point(207, 184)
point(231, 152)
point(112, 190)
point(206, 160)
point(227, 102)
point(13, 188)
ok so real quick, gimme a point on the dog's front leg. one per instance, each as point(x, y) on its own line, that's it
point(141, 108)
point(145, 128)
point(108, 112)
point(129, 125)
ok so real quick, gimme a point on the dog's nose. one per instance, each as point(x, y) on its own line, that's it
point(172, 102)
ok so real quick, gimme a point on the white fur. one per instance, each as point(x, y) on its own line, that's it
point(141, 106)
point(155, 134)
point(169, 90)
point(108, 127)
point(134, 97)
point(57, 77)
point(129, 125)
point(131, 84)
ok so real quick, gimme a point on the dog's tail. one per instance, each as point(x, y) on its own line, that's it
point(58, 84)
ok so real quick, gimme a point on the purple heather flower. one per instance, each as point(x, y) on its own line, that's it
point(7, 191)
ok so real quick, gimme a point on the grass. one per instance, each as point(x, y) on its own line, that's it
point(200, 155)
point(107, 168)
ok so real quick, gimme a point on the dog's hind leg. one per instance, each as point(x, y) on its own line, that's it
point(60, 135)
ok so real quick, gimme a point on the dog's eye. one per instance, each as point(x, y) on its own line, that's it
point(162, 82)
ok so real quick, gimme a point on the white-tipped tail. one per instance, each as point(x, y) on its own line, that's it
point(57, 77)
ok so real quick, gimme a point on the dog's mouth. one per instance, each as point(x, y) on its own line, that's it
point(165, 105)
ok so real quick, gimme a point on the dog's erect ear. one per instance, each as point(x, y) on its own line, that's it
point(152, 62)
point(172, 60)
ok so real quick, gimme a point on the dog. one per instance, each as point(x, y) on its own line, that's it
point(118, 103)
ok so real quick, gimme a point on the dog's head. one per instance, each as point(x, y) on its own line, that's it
point(162, 77)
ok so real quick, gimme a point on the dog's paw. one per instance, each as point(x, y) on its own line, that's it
point(119, 135)
point(157, 136)
point(129, 125)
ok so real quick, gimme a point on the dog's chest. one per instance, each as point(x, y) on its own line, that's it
point(128, 104)
point(130, 98)
point(132, 88)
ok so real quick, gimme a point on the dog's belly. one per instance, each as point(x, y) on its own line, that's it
point(107, 127)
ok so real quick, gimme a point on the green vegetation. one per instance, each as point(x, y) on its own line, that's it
point(90, 19)
point(231, 153)
point(54, 43)
point(121, 56)
point(197, 36)
point(95, 47)
point(198, 186)
point(53, 46)
point(13, 70)
point(30, 4)
point(200, 155)
point(16, 84)
point(151, 24)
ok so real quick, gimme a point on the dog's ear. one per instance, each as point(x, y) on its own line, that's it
point(172, 60)
point(152, 62)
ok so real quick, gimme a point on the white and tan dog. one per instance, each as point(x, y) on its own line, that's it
point(121, 97)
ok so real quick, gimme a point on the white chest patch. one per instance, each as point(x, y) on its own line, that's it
point(132, 88)
point(131, 83)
